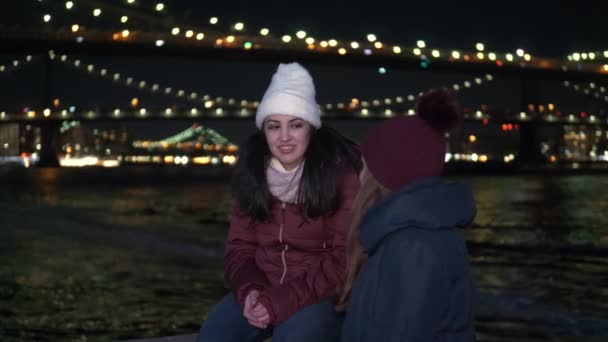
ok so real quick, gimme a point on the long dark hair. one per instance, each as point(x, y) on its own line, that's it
point(328, 156)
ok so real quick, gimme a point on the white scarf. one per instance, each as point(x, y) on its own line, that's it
point(283, 184)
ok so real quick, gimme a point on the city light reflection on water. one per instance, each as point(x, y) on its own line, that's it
point(107, 254)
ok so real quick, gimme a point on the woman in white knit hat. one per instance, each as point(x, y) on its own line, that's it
point(292, 192)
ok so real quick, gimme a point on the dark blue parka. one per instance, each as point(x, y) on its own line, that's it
point(416, 284)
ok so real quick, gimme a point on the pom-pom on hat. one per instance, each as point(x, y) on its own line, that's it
point(291, 92)
point(402, 150)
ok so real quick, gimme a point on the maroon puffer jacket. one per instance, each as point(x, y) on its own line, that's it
point(292, 262)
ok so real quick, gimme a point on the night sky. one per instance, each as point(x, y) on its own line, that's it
point(544, 28)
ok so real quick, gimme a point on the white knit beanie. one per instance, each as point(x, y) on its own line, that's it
point(291, 92)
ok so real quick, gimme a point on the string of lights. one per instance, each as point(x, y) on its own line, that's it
point(100, 11)
point(536, 113)
point(597, 92)
point(239, 35)
point(208, 102)
point(591, 56)
point(126, 80)
point(372, 109)
point(356, 103)
point(15, 65)
point(368, 45)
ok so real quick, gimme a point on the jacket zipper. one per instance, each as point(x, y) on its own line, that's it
point(281, 241)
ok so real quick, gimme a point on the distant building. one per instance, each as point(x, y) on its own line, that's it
point(585, 143)
point(9, 140)
point(114, 141)
point(29, 139)
point(78, 140)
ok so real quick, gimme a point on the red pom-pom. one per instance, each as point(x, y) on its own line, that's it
point(440, 109)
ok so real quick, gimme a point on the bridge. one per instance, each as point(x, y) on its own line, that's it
point(73, 42)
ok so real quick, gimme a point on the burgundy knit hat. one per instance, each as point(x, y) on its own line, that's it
point(402, 150)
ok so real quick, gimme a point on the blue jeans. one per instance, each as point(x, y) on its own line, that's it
point(226, 323)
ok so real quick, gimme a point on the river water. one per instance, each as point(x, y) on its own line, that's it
point(100, 255)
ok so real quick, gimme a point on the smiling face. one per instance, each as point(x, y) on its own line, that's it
point(287, 137)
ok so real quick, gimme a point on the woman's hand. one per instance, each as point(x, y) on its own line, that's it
point(255, 312)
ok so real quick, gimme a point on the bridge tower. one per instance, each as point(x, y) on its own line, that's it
point(48, 129)
point(529, 132)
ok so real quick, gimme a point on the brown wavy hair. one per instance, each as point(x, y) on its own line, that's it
point(370, 192)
